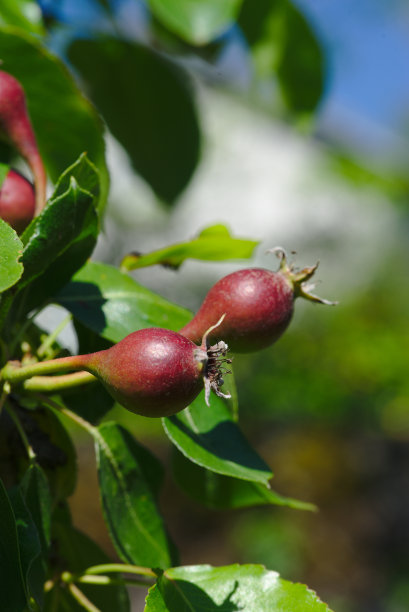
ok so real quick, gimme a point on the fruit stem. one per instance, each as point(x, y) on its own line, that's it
point(29, 449)
point(125, 568)
point(107, 580)
point(51, 338)
point(53, 384)
point(79, 596)
point(14, 373)
point(94, 578)
point(205, 344)
point(40, 182)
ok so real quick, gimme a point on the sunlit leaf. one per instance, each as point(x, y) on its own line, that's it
point(204, 588)
point(25, 14)
point(198, 22)
point(214, 243)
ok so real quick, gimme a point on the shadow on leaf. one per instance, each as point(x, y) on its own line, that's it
point(184, 596)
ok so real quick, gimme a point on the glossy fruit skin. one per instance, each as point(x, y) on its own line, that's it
point(258, 304)
point(16, 128)
point(17, 201)
point(153, 372)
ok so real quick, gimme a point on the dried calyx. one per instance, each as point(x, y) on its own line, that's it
point(299, 278)
point(214, 360)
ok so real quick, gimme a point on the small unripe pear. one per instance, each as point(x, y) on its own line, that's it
point(258, 305)
point(154, 372)
point(16, 128)
point(17, 201)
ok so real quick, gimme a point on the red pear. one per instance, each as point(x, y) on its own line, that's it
point(257, 303)
point(17, 201)
point(16, 128)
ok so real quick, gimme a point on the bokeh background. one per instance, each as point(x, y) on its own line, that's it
point(289, 123)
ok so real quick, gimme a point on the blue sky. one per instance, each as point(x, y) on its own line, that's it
point(368, 47)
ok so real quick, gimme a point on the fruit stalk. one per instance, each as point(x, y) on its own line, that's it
point(14, 374)
point(54, 384)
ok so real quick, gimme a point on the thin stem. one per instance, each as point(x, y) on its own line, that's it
point(81, 598)
point(71, 415)
point(109, 581)
point(30, 452)
point(22, 331)
point(58, 383)
point(125, 568)
point(51, 338)
point(14, 374)
point(234, 402)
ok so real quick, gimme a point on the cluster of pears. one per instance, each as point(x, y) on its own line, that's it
point(156, 372)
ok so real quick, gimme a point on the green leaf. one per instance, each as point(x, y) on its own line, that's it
point(300, 68)
point(55, 452)
point(221, 492)
point(198, 22)
point(33, 568)
point(128, 501)
point(55, 230)
point(85, 173)
point(204, 588)
point(113, 305)
point(37, 497)
point(64, 122)
point(214, 243)
point(209, 437)
point(284, 44)
point(76, 552)
point(25, 14)
point(13, 596)
point(60, 239)
point(11, 249)
point(152, 113)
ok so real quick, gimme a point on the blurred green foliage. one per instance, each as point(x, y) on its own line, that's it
point(347, 365)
